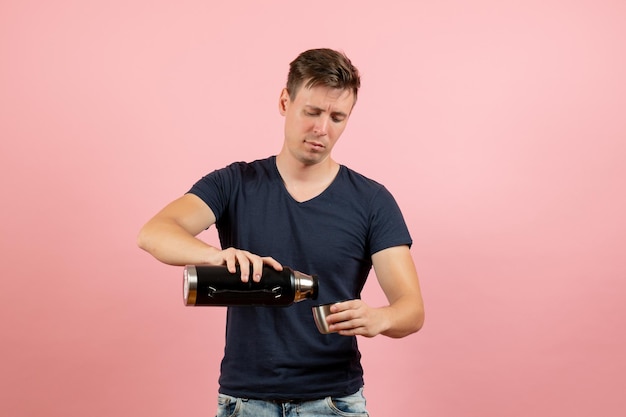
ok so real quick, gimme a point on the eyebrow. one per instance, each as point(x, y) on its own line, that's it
point(319, 109)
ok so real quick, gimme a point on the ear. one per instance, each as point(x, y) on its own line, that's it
point(283, 102)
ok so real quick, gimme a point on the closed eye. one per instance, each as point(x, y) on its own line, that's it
point(336, 117)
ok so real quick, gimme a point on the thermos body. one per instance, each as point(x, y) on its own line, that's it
point(209, 285)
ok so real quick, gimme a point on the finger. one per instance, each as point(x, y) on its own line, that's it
point(257, 269)
point(343, 319)
point(244, 266)
point(354, 332)
point(343, 306)
point(347, 327)
point(268, 260)
point(231, 262)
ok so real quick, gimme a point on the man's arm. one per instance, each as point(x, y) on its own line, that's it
point(170, 236)
point(398, 279)
point(404, 315)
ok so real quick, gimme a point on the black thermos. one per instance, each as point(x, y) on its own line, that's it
point(208, 285)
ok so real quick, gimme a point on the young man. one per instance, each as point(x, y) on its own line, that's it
point(301, 209)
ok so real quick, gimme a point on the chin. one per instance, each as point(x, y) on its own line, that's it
point(308, 159)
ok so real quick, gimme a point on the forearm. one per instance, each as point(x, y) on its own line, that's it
point(398, 278)
point(403, 317)
point(172, 244)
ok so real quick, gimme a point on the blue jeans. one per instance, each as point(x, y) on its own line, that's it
point(350, 406)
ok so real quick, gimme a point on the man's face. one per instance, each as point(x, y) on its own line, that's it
point(314, 121)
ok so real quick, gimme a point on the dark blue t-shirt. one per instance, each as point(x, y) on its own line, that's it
point(277, 352)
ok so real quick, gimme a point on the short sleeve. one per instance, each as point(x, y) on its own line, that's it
point(387, 225)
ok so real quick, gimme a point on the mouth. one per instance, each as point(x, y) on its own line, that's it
point(315, 145)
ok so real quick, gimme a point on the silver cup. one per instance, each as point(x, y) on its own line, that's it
point(320, 313)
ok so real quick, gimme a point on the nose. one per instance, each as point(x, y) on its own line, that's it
point(321, 126)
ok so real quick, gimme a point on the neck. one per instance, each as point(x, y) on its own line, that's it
point(292, 169)
point(306, 181)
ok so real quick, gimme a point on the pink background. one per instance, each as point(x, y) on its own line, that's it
point(500, 126)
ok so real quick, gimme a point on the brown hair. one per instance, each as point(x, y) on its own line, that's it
point(324, 67)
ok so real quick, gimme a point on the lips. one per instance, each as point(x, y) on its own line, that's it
point(315, 144)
